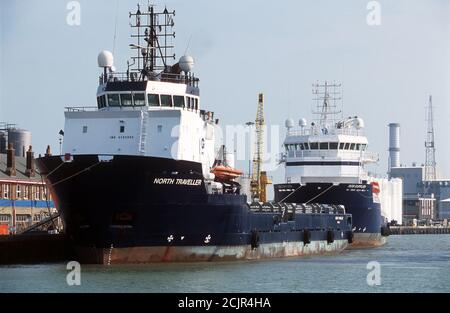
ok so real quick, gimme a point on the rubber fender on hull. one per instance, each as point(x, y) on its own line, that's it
point(330, 236)
point(306, 236)
point(385, 231)
point(254, 239)
point(350, 236)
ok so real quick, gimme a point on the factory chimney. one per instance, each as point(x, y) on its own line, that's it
point(394, 145)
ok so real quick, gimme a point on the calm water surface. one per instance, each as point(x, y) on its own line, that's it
point(408, 264)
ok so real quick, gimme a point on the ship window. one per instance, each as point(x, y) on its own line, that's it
point(166, 101)
point(342, 145)
point(101, 102)
point(302, 147)
point(363, 147)
point(159, 128)
point(84, 129)
point(314, 145)
point(189, 101)
point(153, 100)
point(126, 99)
point(196, 104)
point(333, 145)
point(347, 146)
point(139, 99)
point(122, 129)
point(352, 146)
point(178, 101)
point(358, 146)
point(306, 145)
point(323, 146)
point(113, 100)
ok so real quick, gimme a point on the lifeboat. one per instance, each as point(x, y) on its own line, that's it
point(225, 172)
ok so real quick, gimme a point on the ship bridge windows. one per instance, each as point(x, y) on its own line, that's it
point(314, 145)
point(126, 99)
point(166, 101)
point(113, 100)
point(101, 102)
point(178, 101)
point(153, 100)
point(139, 99)
point(333, 145)
point(323, 146)
point(352, 146)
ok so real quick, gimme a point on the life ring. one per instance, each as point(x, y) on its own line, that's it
point(306, 236)
point(330, 236)
point(254, 239)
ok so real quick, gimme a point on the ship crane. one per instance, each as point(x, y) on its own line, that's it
point(260, 180)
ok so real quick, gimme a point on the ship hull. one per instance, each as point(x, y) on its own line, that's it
point(179, 254)
point(358, 200)
point(133, 209)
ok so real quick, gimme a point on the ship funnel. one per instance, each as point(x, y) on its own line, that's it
point(394, 145)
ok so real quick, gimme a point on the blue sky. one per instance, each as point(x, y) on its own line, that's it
point(242, 48)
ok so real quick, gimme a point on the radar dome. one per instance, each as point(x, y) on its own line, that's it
point(302, 122)
point(289, 123)
point(359, 123)
point(105, 59)
point(186, 63)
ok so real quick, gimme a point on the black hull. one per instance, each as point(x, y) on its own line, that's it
point(134, 209)
point(358, 200)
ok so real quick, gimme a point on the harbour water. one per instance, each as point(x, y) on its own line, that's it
point(407, 264)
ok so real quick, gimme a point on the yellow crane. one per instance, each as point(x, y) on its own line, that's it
point(260, 180)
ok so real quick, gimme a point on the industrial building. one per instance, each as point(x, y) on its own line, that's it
point(24, 197)
point(425, 196)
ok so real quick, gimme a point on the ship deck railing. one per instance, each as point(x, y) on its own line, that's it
point(328, 132)
point(133, 76)
point(81, 109)
point(365, 156)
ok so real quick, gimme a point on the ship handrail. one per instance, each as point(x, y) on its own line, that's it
point(81, 109)
point(190, 80)
point(329, 132)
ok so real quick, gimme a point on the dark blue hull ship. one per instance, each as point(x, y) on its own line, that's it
point(369, 226)
point(130, 209)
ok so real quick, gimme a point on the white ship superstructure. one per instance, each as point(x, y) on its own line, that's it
point(327, 159)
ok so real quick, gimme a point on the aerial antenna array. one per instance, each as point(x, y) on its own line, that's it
point(327, 99)
point(152, 33)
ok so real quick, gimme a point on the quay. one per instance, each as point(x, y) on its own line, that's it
point(419, 230)
point(34, 248)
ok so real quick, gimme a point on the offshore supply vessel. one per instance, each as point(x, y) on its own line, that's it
point(139, 181)
point(325, 162)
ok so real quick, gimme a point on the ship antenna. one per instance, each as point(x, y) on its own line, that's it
point(115, 27)
point(151, 37)
point(188, 44)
